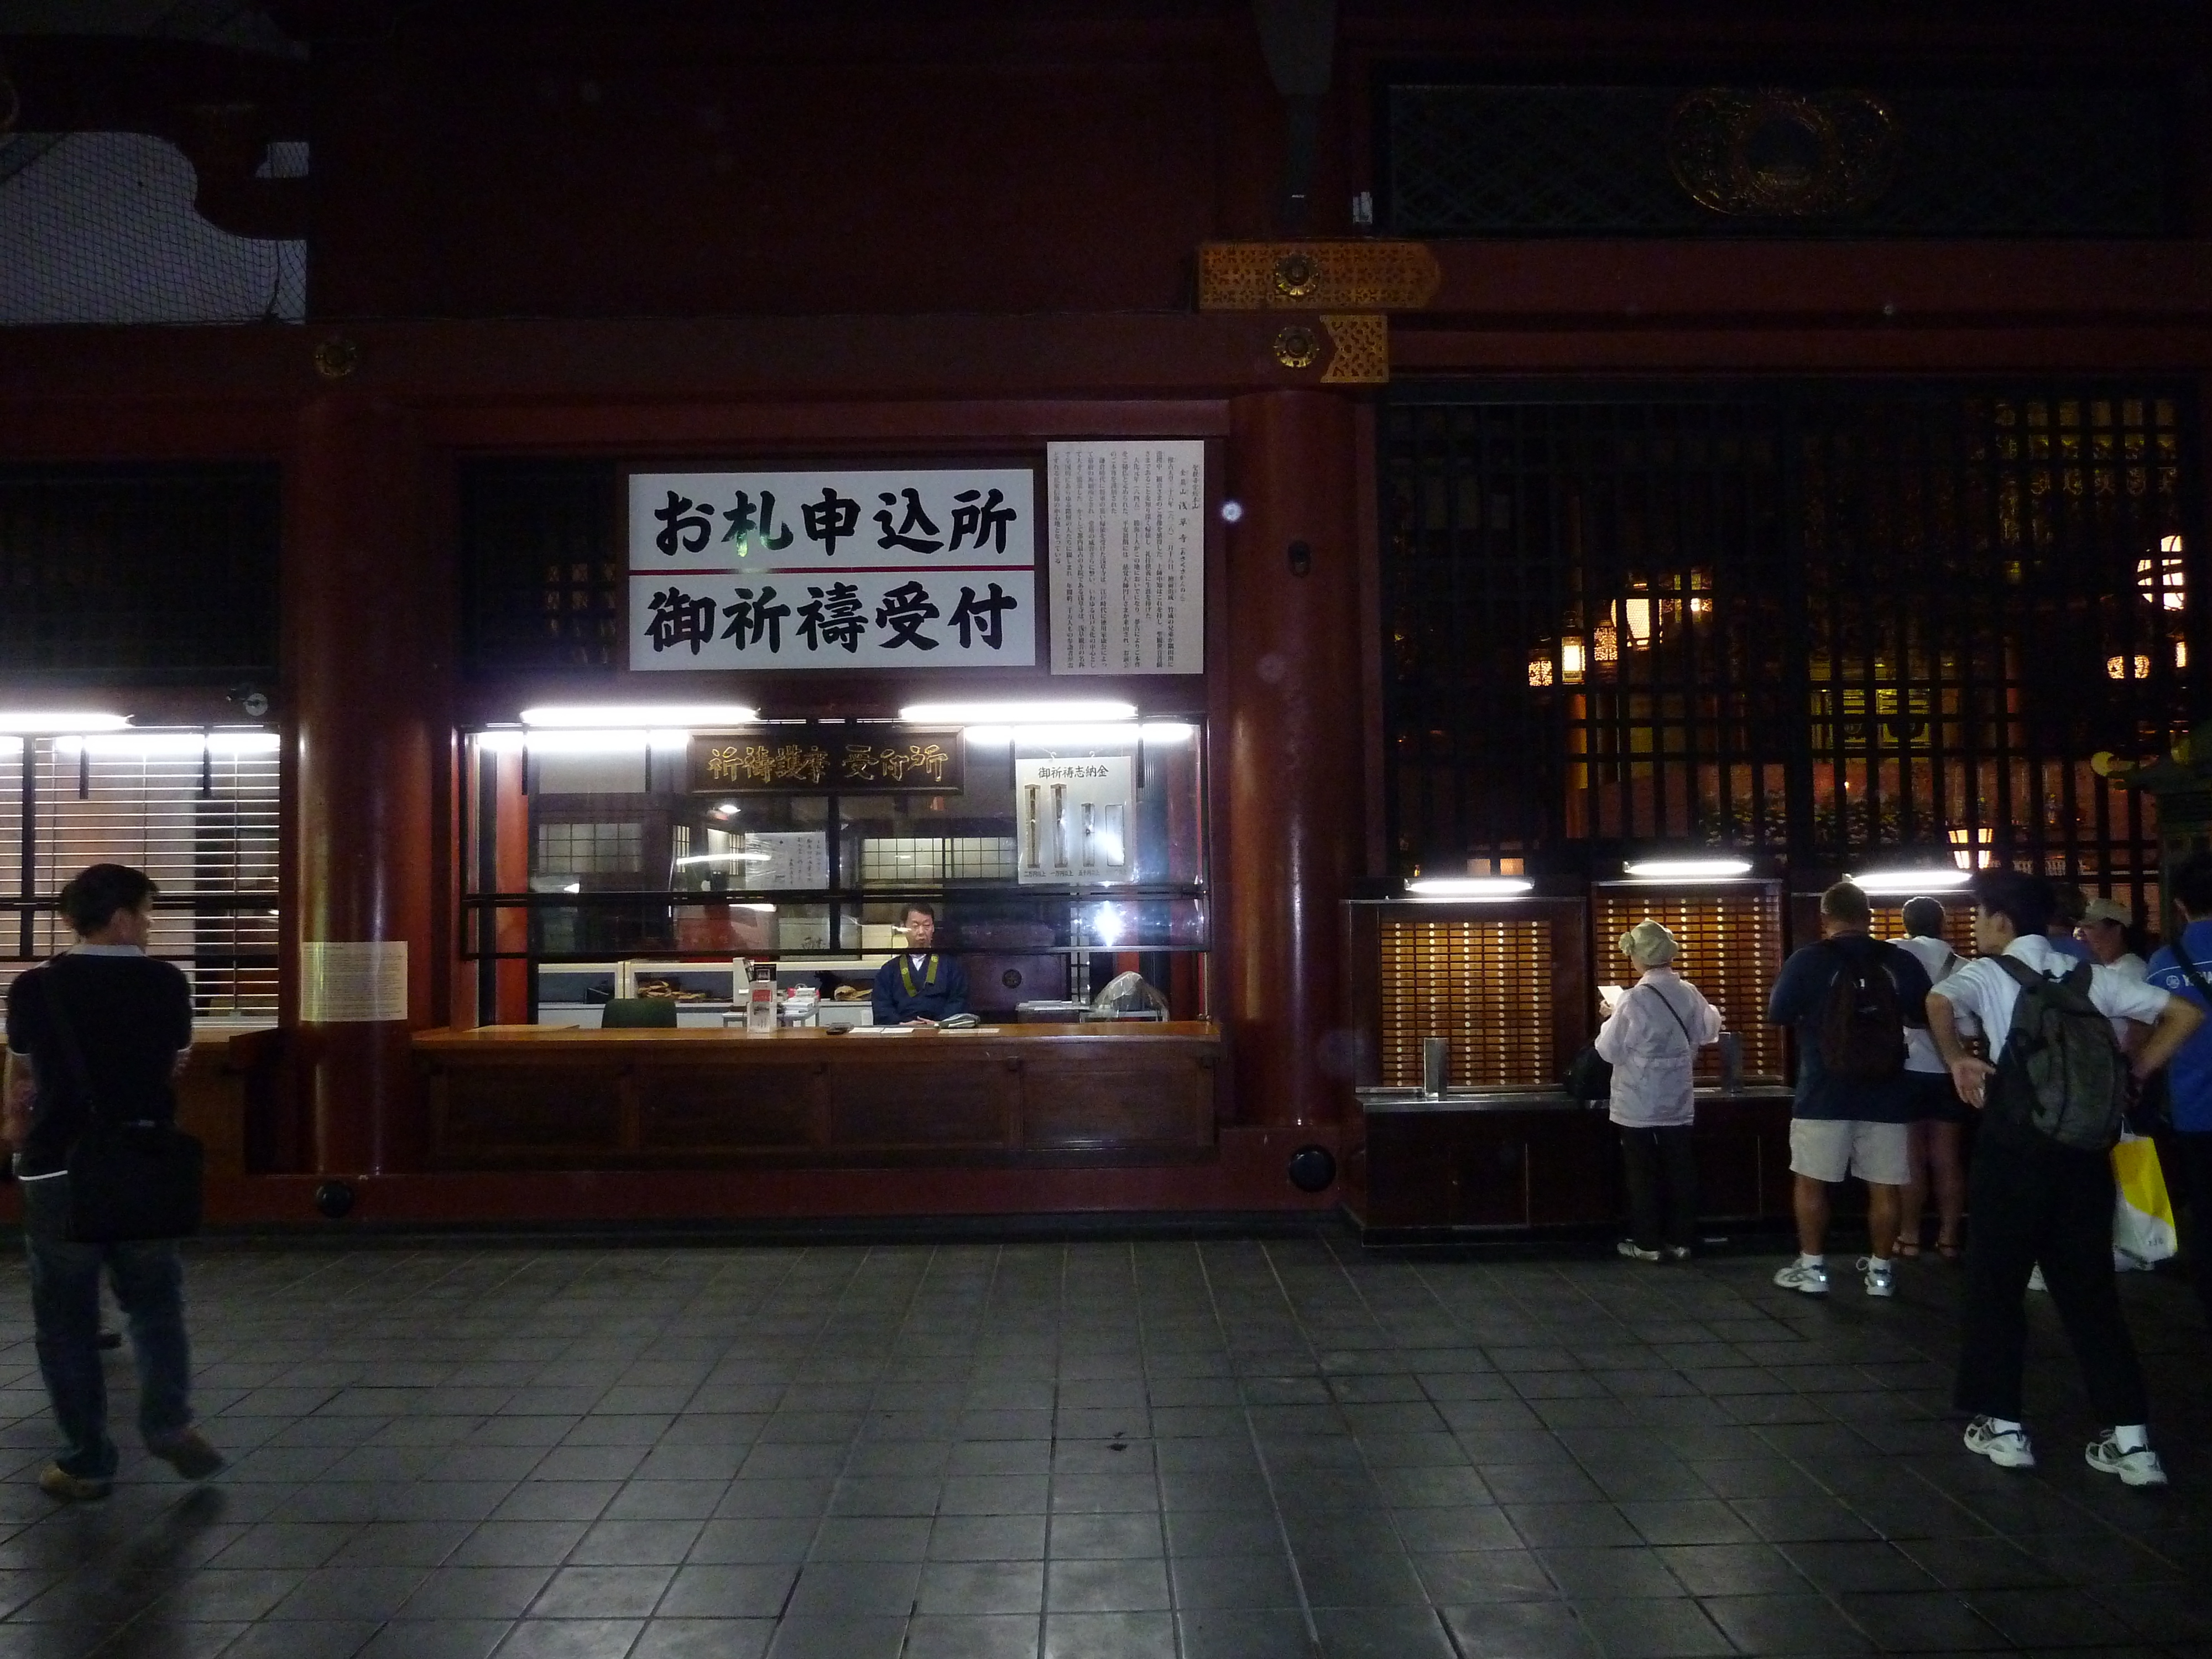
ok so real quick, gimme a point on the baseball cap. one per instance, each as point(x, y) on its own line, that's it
point(2105, 910)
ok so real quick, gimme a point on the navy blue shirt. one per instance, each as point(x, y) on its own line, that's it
point(1799, 995)
point(904, 992)
point(2190, 1075)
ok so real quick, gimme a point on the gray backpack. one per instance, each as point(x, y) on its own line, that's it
point(2062, 1077)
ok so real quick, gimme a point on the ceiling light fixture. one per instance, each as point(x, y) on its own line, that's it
point(1889, 883)
point(1017, 714)
point(1688, 869)
point(1468, 887)
point(579, 716)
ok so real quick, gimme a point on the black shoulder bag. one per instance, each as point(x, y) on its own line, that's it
point(126, 1179)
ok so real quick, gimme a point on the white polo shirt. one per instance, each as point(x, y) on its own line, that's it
point(1985, 991)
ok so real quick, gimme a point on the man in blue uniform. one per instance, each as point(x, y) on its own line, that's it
point(918, 987)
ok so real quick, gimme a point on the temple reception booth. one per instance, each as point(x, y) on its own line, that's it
point(1287, 528)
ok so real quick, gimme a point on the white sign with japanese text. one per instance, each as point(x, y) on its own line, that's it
point(1128, 556)
point(850, 569)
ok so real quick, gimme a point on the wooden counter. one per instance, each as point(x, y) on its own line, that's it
point(1499, 1162)
point(532, 1096)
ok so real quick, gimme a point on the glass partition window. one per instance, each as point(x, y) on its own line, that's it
point(196, 810)
point(1054, 855)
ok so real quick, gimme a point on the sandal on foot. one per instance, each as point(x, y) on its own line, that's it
point(1906, 1248)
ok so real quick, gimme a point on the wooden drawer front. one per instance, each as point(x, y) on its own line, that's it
point(542, 1111)
point(719, 1109)
point(1072, 1108)
point(945, 1105)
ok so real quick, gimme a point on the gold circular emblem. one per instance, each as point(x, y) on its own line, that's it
point(1776, 154)
point(336, 357)
point(1295, 347)
point(1296, 275)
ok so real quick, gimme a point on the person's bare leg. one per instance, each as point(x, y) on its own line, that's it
point(1810, 1199)
point(1883, 1204)
point(1947, 1173)
point(1912, 1197)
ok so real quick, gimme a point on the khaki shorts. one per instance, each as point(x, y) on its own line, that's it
point(1830, 1149)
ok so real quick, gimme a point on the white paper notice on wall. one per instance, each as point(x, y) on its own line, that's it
point(347, 982)
point(1127, 556)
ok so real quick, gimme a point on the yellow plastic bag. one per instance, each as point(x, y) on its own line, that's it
point(2143, 1216)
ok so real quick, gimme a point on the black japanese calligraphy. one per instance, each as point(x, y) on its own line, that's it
point(903, 610)
point(750, 617)
point(681, 526)
point(984, 616)
point(915, 519)
point(830, 519)
point(835, 617)
point(980, 523)
point(680, 619)
point(743, 525)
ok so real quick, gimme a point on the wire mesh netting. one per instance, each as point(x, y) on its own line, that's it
point(100, 228)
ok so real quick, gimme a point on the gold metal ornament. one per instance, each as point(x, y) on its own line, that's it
point(1296, 275)
point(1365, 276)
point(1362, 354)
point(1295, 347)
point(336, 357)
point(1771, 153)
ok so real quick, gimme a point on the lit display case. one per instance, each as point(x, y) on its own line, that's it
point(1056, 856)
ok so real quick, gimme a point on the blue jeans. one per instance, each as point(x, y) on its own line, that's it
point(148, 1278)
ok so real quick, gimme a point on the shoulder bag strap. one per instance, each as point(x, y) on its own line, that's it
point(80, 1075)
point(1667, 1003)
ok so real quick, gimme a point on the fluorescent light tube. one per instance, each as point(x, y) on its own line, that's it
point(1687, 869)
point(1015, 714)
point(576, 716)
point(1936, 879)
point(41, 722)
point(1468, 887)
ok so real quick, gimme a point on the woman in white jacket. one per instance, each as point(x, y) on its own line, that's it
point(1651, 1037)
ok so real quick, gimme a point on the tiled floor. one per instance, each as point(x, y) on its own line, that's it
point(1249, 1448)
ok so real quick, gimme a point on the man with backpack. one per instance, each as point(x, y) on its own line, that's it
point(2053, 1095)
point(1849, 998)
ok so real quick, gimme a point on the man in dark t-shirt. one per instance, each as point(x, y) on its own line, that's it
point(104, 1024)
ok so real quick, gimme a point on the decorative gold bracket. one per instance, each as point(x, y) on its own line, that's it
point(1316, 276)
point(1353, 285)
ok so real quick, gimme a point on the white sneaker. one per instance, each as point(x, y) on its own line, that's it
point(1628, 1247)
point(2139, 1467)
point(1678, 1252)
point(2035, 1280)
point(1797, 1276)
point(1879, 1280)
point(2008, 1451)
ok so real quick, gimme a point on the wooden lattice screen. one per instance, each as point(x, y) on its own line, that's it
point(1485, 983)
point(1731, 949)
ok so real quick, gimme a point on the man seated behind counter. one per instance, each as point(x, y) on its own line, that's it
point(917, 987)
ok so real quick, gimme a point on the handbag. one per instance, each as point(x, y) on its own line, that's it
point(124, 1181)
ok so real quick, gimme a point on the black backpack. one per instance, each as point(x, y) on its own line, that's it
point(2062, 1077)
point(1860, 1030)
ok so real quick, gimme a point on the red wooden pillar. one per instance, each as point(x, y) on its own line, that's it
point(1291, 788)
point(365, 726)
